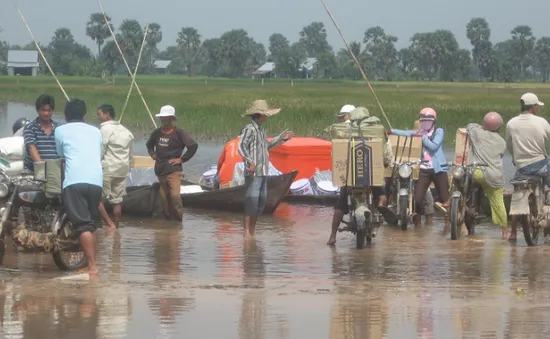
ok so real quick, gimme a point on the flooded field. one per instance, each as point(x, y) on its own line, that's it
point(200, 279)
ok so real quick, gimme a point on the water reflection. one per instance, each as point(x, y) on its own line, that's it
point(253, 309)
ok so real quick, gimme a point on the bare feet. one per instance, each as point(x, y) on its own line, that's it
point(429, 219)
point(331, 241)
point(513, 236)
point(504, 233)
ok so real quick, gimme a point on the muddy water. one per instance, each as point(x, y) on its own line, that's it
point(199, 279)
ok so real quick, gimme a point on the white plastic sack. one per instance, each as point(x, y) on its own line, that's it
point(238, 173)
point(12, 148)
point(16, 167)
point(190, 189)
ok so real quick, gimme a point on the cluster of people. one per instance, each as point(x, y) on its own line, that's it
point(98, 160)
point(526, 137)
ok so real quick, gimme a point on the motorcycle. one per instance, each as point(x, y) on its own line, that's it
point(364, 218)
point(528, 203)
point(403, 191)
point(466, 197)
point(37, 222)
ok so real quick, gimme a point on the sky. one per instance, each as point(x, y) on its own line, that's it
point(261, 18)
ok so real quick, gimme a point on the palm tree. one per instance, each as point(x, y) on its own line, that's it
point(189, 42)
point(98, 30)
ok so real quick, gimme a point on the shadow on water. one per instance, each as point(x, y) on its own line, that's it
point(199, 278)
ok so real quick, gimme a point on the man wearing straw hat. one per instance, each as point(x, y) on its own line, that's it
point(166, 146)
point(254, 148)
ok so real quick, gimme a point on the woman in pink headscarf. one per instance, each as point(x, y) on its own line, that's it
point(434, 166)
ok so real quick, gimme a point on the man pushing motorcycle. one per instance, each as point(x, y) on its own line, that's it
point(348, 113)
point(526, 138)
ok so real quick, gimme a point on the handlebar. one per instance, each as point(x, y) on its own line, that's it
point(474, 164)
point(410, 163)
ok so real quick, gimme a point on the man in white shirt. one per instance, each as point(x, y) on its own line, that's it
point(526, 137)
point(118, 144)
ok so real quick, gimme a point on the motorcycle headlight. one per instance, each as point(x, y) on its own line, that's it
point(457, 173)
point(405, 171)
point(4, 190)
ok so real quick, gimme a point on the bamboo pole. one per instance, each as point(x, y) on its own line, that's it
point(42, 54)
point(357, 63)
point(135, 72)
point(126, 63)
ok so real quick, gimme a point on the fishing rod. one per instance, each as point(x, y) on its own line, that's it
point(126, 63)
point(135, 72)
point(357, 63)
point(42, 54)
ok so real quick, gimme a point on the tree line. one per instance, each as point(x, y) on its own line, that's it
point(430, 55)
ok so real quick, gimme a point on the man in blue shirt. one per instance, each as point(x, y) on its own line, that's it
point(80, 144)
point(39, 134)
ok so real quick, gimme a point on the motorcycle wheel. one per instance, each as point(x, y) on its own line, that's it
point(69, 260)
point(360, 238)
point(455, 227)
point(403, 213)
point(530, 233)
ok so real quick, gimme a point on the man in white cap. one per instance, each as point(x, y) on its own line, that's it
point(166, 146)
point(254, 148)
point(526, 138)
point(343, 115)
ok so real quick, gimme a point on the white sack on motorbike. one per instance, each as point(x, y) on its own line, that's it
point(16, 167)
point(12, 148)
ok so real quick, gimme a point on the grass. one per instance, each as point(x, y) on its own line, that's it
point(211, 108)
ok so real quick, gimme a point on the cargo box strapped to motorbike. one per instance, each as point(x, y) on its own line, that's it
point(51, 174)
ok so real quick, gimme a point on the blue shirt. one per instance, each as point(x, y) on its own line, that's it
point(80, 145)
point(45, 144)
point(434, 147)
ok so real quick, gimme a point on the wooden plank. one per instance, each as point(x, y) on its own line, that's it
point(141, 161)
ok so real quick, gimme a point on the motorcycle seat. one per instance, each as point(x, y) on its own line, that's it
point(534, 179)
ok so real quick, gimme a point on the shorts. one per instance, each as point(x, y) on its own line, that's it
point(256, 195)
point(540, 169)
point(81, 202)
point(117, 190)
point(342, 203)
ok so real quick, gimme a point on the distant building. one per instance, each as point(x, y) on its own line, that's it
point(22, 63)
point(267, 70)
point(161, 66)
point(306, 68)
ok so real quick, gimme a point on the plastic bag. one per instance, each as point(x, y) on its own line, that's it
point(12, 148)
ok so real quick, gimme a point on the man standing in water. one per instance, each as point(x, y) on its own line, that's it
point(80, 144)
point(118, 145)
point(526, 138)
point(39, 134)
point(166, 145)
point(254, 148)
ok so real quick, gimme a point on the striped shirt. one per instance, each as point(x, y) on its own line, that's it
point(45, 144)
point(254, 147)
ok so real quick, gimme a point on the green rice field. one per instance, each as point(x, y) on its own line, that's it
point(211, 108)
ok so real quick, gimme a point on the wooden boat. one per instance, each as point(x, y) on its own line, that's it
point(232, 199)
point(144, 201)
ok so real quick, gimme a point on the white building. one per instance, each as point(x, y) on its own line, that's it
point(161, 66)
point(22, 63)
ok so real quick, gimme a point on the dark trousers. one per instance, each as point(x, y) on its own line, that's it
point(425, 179)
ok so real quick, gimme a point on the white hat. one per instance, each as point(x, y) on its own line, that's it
point(531, 99)
point(346, 109)
point(167, 111)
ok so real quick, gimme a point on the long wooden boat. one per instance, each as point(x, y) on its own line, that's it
point(144, 201)
point(232, 199)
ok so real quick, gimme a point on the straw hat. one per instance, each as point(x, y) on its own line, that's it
point(261, 107)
